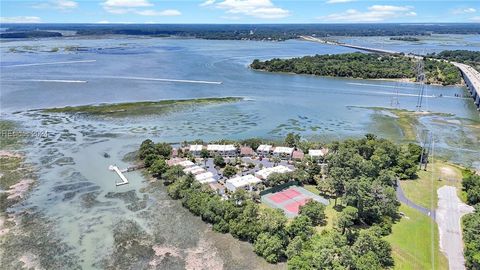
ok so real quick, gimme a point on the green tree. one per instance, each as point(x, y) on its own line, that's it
point(158, 167)
point(471, 185)
point(292, 139)
point(368, 261)
point(347, 218)
point(173, 173)
point(229, 171)
point(219, 161)
point(275, 179)
point(301, 176)
point(471, 227)
point(150, 159)
point(315, 211)
point(370, 243)
point(163, 149)
point(328, 250)
point(269, 247)
point(147, 147)
point(245, 226)
point(300, 226)
point(295, 247)
point(205, 155)
point(272, 221)
point(276, 160)
point(372, 199)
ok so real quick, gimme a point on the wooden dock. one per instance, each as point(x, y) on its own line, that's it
point(120, 174)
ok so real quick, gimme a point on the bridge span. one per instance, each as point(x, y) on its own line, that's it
point(363, 48)
point(472, 79)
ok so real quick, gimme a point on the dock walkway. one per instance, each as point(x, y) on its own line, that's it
point(120, 173)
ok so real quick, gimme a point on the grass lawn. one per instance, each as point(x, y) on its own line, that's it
point(423, 190)
point(411, 241)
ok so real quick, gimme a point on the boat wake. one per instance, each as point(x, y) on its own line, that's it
point(159, 79)
point(51, 63)
point(54, 81)
point(381, 85)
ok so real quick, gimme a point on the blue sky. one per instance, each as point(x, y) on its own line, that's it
point(238, 11)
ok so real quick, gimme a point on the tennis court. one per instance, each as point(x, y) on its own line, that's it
point(290, 199)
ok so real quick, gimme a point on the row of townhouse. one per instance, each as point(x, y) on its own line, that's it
point(229, 150)
point(247, 182)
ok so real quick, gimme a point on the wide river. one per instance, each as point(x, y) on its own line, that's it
point(73, 173)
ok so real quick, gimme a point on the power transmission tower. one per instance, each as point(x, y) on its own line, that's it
point(426, 143)
point(394, 101)
point(420, 77)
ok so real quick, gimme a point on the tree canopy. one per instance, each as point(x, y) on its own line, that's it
point(362, 65)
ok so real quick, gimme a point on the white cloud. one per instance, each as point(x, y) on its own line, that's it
point(136, 7)
point(170, 12)
point(20, 19)
point(124, 6)
point(475, 19)
point(264, 9)
point(66, 4)
point(375, 13)
point(338, 1)
point(167, 12)
point(57, 4)
point(386, 8)
point(127, 3)
point(103, 22)
point(207, 3)
point(463, 11)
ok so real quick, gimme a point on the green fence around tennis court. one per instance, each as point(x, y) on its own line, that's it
point(279, 187)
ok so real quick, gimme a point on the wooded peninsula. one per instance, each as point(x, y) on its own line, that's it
point(364, 66)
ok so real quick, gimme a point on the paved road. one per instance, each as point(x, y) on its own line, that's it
point(449, 213)
point(403, 199)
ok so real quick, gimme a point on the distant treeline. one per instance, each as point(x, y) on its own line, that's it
point(362, 65)
point(255, 31)
point(471, 58)
point(405, 38)
point(30, 34)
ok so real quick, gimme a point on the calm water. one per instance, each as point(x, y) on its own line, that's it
point(72, 166)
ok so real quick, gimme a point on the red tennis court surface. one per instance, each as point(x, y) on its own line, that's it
point(290, 199)
point(285, 195)
point(295, 206)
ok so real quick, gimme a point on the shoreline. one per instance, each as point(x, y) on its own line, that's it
point(400, 80)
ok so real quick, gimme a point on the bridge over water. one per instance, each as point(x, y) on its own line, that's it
point(472, 79)
point(469, 74)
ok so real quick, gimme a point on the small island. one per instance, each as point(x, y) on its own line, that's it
point(363, 66)
point(141, 108)
point(405, 38)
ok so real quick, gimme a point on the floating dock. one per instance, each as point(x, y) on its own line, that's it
point(120, 174)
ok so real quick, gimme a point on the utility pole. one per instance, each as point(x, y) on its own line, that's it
point(394, 101)
point(426, 144)
point(420, 77)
